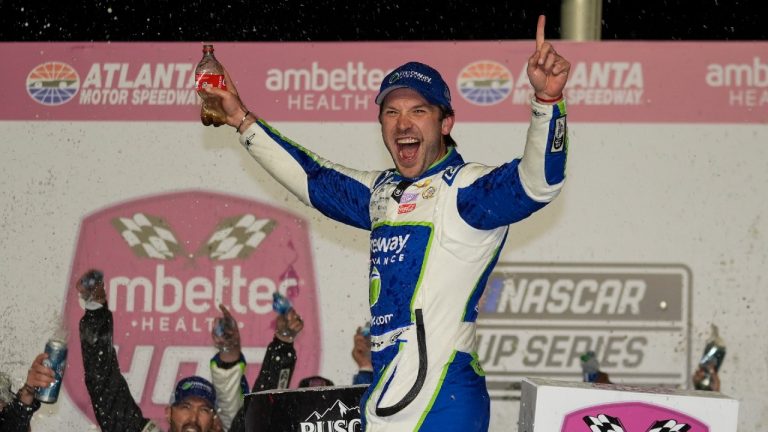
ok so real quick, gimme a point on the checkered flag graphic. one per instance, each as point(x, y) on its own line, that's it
point(669, 426)
point(237, 237)
point(148, 236)
point(603, 423)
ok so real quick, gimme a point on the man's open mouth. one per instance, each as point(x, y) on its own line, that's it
point(407, 148)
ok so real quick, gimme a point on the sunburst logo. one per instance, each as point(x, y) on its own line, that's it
point(484, 82)
point(53, 83)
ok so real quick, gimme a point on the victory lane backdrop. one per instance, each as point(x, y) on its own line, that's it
point(169, 261)
point(662, 175)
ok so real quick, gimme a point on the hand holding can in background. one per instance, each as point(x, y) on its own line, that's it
point(361, 352)
point(55, 360)
point(590, 369)
point(706, 375)
point(38, 376)
point(16, 410)
point(289, 322)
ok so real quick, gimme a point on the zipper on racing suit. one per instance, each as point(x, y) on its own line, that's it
point(421, 341)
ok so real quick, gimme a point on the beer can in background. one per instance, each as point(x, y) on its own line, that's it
point(89, 282)
point(714, 354)
point(224, 328)
point(280, 303)
point(590, 367)
point(365, 330)
point(57, 360)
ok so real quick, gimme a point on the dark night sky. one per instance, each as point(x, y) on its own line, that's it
point(318, 20)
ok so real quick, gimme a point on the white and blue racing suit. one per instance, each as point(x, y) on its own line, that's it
point(434, 241)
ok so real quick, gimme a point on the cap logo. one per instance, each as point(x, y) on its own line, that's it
point(420, 78)
point(410, 74)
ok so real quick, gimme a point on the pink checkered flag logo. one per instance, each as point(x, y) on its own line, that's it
point(603, 423)
point(669, 426)
point(606, 423)
point(148, 236)
point(631, 417)
point(237, 237)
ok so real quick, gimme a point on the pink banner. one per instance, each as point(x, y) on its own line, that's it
point(169, 260)
point(335, 81)
point(631, 417)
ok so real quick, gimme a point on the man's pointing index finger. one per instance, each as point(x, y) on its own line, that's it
point(540, 32)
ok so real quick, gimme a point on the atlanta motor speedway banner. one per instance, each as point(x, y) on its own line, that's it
point(659, 232)
point(624, 82)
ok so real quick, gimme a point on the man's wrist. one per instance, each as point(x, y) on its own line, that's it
point(286, 336)
point(230, 354)
point(548, 100)
point(26, 394)
point(226, 362)
point(94, 304)
point(246, 122)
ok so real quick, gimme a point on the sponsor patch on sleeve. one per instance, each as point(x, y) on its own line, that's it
point(558, 142)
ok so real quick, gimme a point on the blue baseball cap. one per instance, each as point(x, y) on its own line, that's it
point(194, 386)
point(419, 77)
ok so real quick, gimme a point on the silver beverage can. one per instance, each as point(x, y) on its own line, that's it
point(714, 354)
point(89, 282)
point(57, 360)
point(224, 329)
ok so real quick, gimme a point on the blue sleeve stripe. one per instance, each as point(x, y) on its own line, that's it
point(331, 192)
point(340, 197)
point(496, 199)
point(471, 310)
point(557, 146)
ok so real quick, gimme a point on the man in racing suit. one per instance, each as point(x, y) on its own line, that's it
point(437, 225)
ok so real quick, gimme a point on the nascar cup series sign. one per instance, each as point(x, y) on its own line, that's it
point(168, 262)
point(538, 319)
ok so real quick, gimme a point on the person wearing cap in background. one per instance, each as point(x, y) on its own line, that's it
point(193, 404)
point(315, 381)
point(437, 225)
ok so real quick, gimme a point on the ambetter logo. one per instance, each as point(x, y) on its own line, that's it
point(168, 261)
